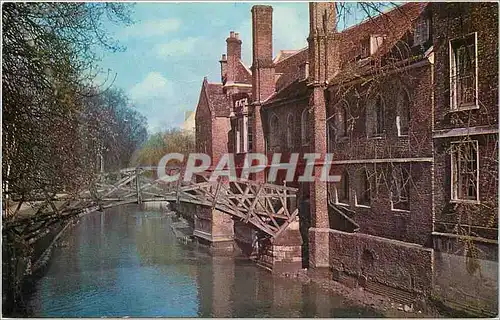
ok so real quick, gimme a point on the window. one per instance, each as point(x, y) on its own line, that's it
point(400, 187)
point(363, 195)
point(243, 135)
point(274, 130)
point(289, 130)
point(463, 69)
point(376, 42)
point(465, 171)
point(341, 121)
point(237, 136)
point(403, 116)
point(249, 132)
point(343, 189)
point(330, 135)
point(304, 123)
point(421, 31)
point(380, 111)
point(364, 50)
point(375, 118)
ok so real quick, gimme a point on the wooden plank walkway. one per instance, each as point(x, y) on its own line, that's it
point(270, 208)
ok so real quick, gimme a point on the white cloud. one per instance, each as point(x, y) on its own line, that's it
point(177, 47)
point(290, 28)
point(152, 28)
point(154, 85)
point(159, 100)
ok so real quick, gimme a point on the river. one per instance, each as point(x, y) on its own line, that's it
point(127, 262)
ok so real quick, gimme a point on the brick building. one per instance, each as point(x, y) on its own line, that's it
point(465, 136)
point(407, 102)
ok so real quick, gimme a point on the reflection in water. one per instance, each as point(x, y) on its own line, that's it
point(127, 262)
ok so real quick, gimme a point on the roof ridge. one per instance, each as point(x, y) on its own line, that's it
point(294, 54)
point(244, 66)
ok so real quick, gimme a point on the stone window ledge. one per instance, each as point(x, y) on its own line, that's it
point(401, 211)
point(377, 137)
point(464, 108)
point(465, 201)
point(342, 204)
point(363, 206)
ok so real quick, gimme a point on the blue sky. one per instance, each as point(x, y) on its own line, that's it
point(172, 46)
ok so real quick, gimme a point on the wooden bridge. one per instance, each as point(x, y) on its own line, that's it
point(270, 208)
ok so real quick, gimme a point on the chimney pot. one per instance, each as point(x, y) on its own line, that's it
point(224, 58)
point(231, 34)
point(237, 35)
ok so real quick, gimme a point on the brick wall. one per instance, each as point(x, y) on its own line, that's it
point(451, 21)
point(393, 263)
point(220, 143)
point(379, 217)
point(360, 98)
point(455, 20)
point(203, 125)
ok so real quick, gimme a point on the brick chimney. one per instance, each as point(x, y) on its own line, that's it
point(234, 45)
point(229, 62)
point(262, 48)
point(323, 52)
point(223, 68)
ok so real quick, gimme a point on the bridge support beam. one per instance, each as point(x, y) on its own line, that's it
point(282, 255)
point(215, 229)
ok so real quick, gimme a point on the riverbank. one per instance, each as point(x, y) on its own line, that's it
point(153, 250)
point(423, 308)
point(182, 230)
point(23, 264)
point(383, 304)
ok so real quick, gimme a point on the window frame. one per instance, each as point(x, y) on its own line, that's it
point(274, 130)
point(408, 172)
point(453, 82)
point(342, 114)
point(417, 38)
point(399, 115)
point(345, 174)
point(363, 182)
point(304, 124)
point(372, 111)
point(330, 135)
point(289, 130)
point(249, 132)
point(454, 178)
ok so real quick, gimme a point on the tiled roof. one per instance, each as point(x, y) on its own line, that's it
point(283, 54)
point(289, 67)
point(393, 25)
point(296, 89)
point(243, 74)
point(218, 102)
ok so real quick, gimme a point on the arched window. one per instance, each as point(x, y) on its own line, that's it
point(380, 116)
point(403, 116)
point(289, 130)
point(343, 190)
point(304, 124)
point(400, 189)
point(274, 130)
point(375, 117)
point(363, 195)
point(330, 135)
point(341, 120)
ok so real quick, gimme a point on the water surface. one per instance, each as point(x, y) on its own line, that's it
point(127, 262)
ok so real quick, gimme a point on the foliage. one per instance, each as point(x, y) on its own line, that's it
point(54, 122)
point(161, 143)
